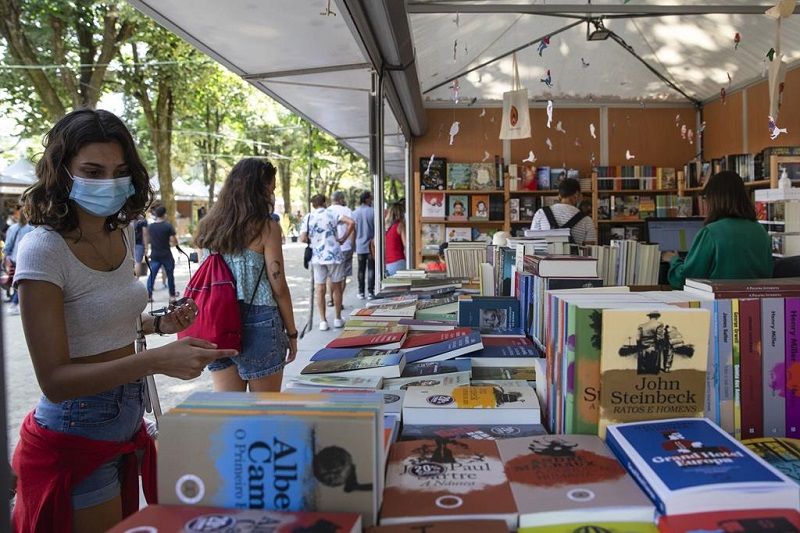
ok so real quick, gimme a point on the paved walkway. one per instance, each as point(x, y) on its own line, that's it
point(23, 389)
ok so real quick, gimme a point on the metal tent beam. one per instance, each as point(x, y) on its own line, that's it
point(306, 71)
point(443, 6)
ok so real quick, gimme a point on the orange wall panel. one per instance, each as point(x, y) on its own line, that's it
point(723, 134)
point(572, 149)
point(476, 135)
point(758, 113)
point(651, 136)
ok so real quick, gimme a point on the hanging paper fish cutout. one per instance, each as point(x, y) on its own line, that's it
point(774, 130)
point(577, 142)
point(702, 127)
point(472, 101)
point(548, 80)
point(454, 127)
point(531, 158)
point(560, 128)
point(678, 120)
point(782, 9)
point(690, 136)
point(723, 94)
point(544, 43)
point(629, 155)
point(771, 54)
point(549, 144)
point(485, 156)
point(428, 168)
point(549, 112)
point(455, 49)
point(736, 40)
point(454, 88)
point(591, 130)
point(730, 80)
point(483, 113)
point(584, 64)
point(683, 131)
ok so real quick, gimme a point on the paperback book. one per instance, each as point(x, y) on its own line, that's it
point(387, 366)
point(436, 380)
point(433, 173)
point(464, 404)
point(471, 431)
point(433, 205)
point(459, 176)
point(457, 207)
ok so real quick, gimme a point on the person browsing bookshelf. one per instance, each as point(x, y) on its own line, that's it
point(565, 214)
point(731, 245)
point(395, 239)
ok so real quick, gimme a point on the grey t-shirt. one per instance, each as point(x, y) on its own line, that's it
point(100, 308)
point(364, 217)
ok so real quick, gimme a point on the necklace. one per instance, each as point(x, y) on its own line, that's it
point(108, 266)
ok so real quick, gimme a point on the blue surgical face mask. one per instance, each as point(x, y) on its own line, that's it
point(101, 197)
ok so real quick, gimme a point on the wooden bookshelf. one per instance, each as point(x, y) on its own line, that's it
point(468, 191)
point(462, 222)
point(622, 221)
point(639, 192)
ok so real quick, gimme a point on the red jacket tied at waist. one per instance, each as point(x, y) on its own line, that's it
point(49, 464)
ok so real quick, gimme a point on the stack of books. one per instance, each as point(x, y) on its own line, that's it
point(626, 262)
point(295, 452)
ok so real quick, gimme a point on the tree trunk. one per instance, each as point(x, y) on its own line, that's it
point(284, 171)
point(162, 138)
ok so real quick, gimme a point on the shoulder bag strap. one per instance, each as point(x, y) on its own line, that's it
point(577, 217)
point(255, 289)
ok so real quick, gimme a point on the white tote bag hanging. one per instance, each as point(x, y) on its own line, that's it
point(516, 116)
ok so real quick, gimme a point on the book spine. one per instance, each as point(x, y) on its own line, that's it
point(725, 348)
point(569, 375)
point(712, 369)
point(587, 373)
point(751, 374)
point(633, 470)
point(792, 367)
point(755, 294)
point(772, 342)
point(737, 370)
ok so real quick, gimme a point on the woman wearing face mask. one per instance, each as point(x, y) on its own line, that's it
point(240, 226)
point(79, 301)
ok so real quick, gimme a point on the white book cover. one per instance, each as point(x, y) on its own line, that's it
point(464, 404)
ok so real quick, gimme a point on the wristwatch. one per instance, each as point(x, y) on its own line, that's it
point(292, 335)
point(157, 325)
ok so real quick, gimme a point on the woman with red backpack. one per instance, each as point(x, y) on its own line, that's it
point(241, 229)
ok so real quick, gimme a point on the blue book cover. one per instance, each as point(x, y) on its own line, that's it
point(429, 368)
point(507, 351)
point(449, 349)
point(493, 315)
point(691, 461)
point(329, 354)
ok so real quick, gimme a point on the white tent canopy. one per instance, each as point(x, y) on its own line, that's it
point(184, 190)
point(696, 52)
point(22, 172)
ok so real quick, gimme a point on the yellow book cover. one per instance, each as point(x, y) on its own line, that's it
point(652, 365)
point(604, 527)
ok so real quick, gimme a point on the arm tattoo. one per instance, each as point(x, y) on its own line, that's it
point(276, 269)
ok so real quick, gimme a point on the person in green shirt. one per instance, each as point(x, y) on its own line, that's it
point(732, 245)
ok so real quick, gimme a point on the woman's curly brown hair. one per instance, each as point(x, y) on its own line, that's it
point(47, 202)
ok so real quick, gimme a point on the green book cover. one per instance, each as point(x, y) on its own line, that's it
point(587, 370)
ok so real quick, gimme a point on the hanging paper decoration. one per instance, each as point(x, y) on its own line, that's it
point(736, 40)
point(483, 113)
point(485, 156)
point(577, 142)
point(774, 130)
point(544, 43)
point(516, 115)
point(678, 120)
point(531, 158)
point(591, 131)
point(560, 128)
point(584, 64)
point(549, 112)
point(548, 80)
point(723, 94)
point(629, 155)
point(472, 101)
point(702, 127)
point(690, 136)
point(771, 54)
point(683, 131)
point(454, 127)
point(441, 131)
point(592, 160)
point(428, 168)
point(549, 144)
point(455, 50)
point(730, 80)
point(783, 9)
point(454, 88)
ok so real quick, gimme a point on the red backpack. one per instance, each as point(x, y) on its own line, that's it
point(213, 289)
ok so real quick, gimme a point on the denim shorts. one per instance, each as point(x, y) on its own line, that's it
point(114, 415)
point(264, 343)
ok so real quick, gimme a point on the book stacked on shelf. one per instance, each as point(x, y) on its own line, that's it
point(689, 466)
point(466, 404)
point(464, 258)
point(289, 448)
point(636, 177)
point(179, 518)
point(625, 262)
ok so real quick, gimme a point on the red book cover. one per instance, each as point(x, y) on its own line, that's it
point(424, 338)
point(446, 479)
point(747, 521)
point(751, 371)
point(179, 519)
point(369, 337)
point(506, 341)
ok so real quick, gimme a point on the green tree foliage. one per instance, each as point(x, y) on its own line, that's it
point(82, 38)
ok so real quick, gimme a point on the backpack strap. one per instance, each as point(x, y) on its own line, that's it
point(551, 218)
point(577, 217)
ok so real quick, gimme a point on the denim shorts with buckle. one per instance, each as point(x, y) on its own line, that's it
point(113, 415)
point(264, 343)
